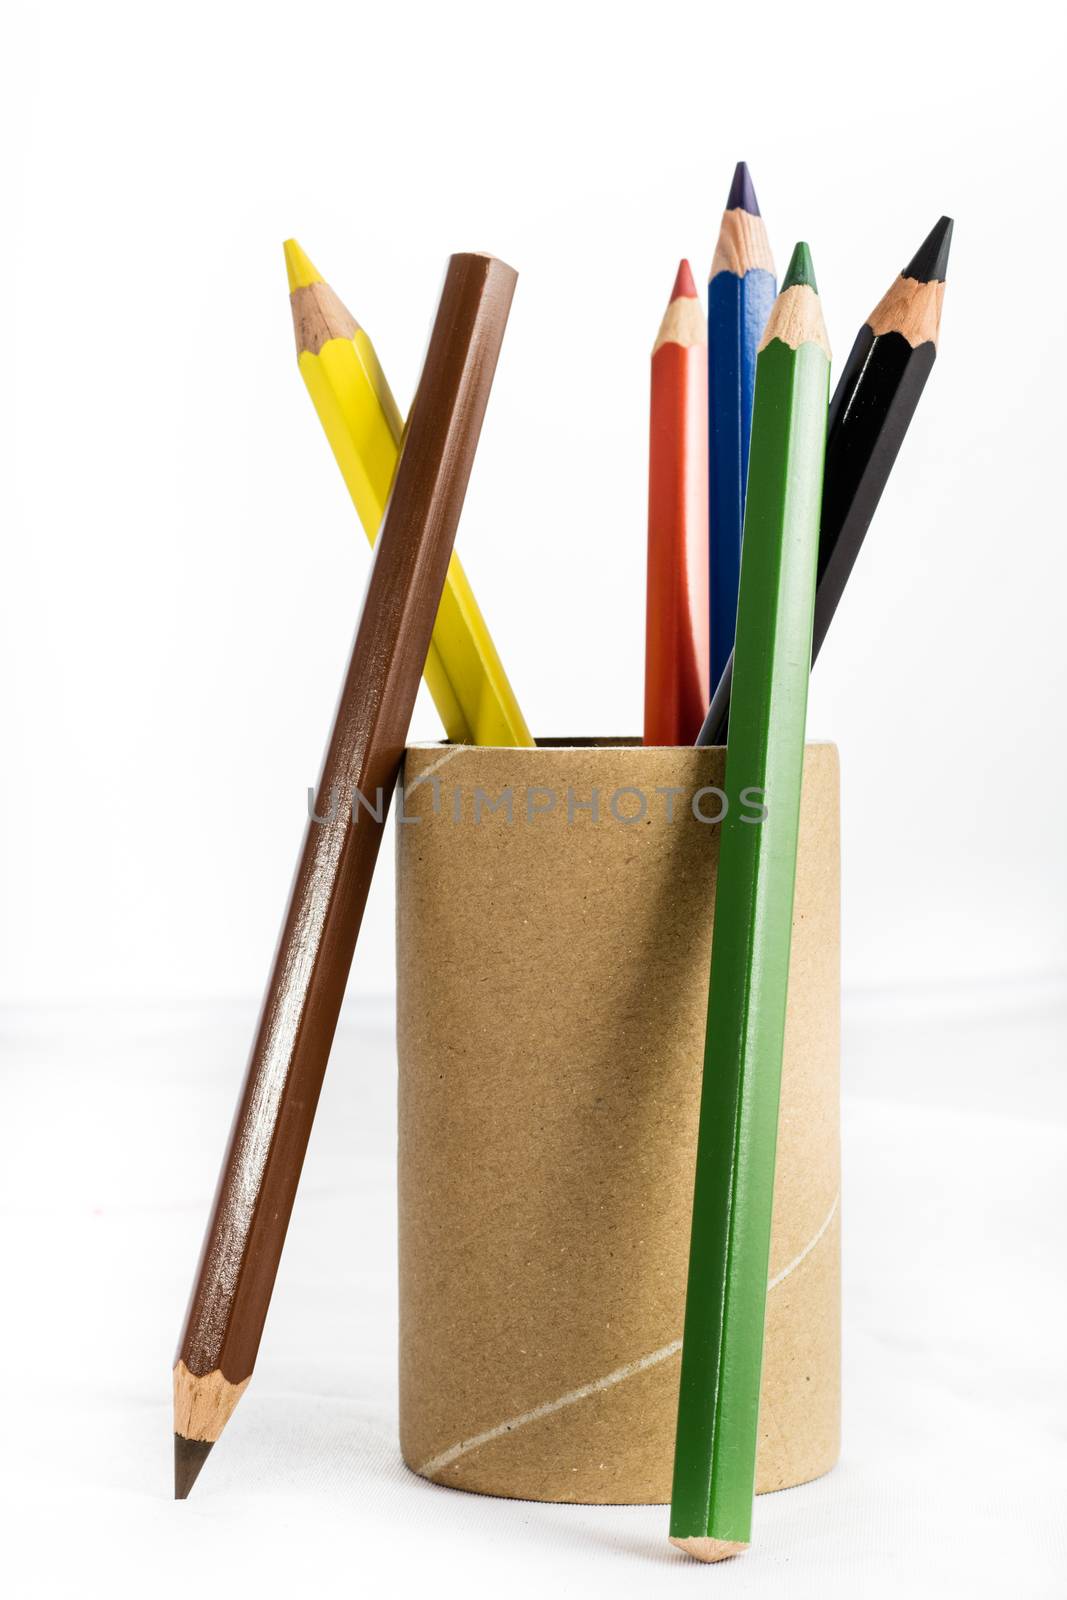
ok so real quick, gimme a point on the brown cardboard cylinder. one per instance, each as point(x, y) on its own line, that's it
point(552, 988)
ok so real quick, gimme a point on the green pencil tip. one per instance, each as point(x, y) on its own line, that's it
point(800, 270)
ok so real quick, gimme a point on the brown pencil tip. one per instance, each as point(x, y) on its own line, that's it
point(684, 286)
point(189, 1457)
point(711, 1549)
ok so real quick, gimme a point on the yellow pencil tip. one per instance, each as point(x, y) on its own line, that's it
point(301, 271)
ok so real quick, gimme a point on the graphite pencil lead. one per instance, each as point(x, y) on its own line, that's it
point(800, 270)
point(189, 1457)
point(742, 196)
point(930, 261)
point(683, 283)
point(301, 270)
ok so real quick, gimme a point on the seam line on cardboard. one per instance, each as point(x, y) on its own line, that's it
point(436, 1464)
point(435, 766)
point(446, 1458)
point(808, 1248)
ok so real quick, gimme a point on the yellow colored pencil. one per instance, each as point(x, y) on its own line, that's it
point(360, 419)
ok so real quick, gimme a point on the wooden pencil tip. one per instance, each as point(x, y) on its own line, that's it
point(189, 1457)
point(801, 270)
point(796, 316)
point(930, 261)
point(710, 1549)
point(300, 269)
point(742, 196)
point(684, 286)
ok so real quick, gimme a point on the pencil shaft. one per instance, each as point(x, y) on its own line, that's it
point(862, 444)
point(738, 308)
point(364, 428)
point(676, 624)
point(266, 1150)
point(726, 1293)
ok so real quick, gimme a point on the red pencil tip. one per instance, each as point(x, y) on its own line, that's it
point(684, 287)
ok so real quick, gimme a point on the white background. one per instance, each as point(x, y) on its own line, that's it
point(183, 566)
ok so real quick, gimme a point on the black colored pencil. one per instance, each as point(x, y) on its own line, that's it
point(870, 413)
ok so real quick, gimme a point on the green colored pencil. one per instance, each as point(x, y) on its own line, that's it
point(722, 1347)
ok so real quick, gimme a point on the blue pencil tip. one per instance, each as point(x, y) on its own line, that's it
point(742, 196)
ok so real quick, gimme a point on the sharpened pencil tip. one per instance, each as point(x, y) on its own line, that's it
point(800, 269)
point(930, 261)
point(742, 196)
point(300, 269)
point(189, 1457)
point(704, 1549)
point(684, 286)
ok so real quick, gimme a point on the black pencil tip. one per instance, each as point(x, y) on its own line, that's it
point(929, 262)
point(189, 1457)
point(742, 196)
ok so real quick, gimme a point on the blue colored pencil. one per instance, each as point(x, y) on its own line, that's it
point(741, 292)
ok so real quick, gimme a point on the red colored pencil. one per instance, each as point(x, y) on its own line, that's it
point(676, 628)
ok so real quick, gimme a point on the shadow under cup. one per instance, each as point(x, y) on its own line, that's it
point(554, 917)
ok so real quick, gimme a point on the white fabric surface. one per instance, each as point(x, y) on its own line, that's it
point(953, 1472)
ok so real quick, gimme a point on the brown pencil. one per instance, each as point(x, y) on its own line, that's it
point(262, 1165)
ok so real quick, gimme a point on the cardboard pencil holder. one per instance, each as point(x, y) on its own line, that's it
point(554, 915)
